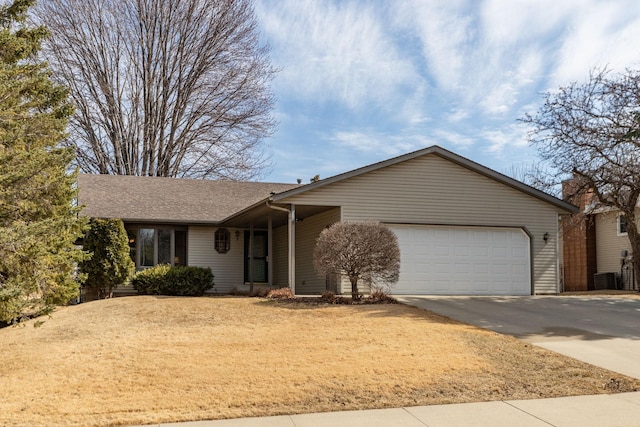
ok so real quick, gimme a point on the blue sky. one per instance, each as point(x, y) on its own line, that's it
point(362, 81)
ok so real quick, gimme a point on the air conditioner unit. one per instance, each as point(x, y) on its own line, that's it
point(604, 281)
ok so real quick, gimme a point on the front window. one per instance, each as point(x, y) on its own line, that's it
point(256, 261)
point(180, 247)
point(222, 242)
point(150, 246)
point(622, 225)
point(147, 241)
point(164, 246)
point(133, 243)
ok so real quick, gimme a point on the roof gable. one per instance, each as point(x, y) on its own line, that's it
point(442, 153)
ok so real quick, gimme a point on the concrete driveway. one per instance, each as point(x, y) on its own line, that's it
point(603, 331)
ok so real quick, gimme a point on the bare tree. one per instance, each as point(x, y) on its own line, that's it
point(163, 88)
point(358, 250)
point(591, 132)
point(536, 175)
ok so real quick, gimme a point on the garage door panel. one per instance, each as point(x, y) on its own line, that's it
point(519, 269)
point(441, 251)
point(481, 286)
point(480, 236)
point(519, 252)
point(441, 268)
point(462, 268)
point(501, 270)
point(442, 234)
point(481, 269)
point(501, 286)
point(461, 236)
point(480, 251)
point(463, 261)
point(499, 251)
point(461, 251)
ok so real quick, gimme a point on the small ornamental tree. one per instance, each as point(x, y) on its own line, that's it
point(110, 265)
point(360, 251)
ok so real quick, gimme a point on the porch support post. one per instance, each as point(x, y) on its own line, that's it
point(292, 248)
point(269, 250)
point(251, 258)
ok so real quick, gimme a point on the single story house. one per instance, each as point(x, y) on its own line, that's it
point(463, 229)
point(596, 248)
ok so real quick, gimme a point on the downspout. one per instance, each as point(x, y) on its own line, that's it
point(291, 224)
point(269, 251)
point(559, 256)
point(251, 258)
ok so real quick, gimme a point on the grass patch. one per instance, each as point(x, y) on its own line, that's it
point(146, 359)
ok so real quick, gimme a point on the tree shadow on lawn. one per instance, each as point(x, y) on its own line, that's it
point(393, 309)
point(402, 310)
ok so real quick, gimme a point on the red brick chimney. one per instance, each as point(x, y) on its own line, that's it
point(579, 239)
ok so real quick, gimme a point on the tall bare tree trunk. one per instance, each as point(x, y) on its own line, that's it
point(355, 295)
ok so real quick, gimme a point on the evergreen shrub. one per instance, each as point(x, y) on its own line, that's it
point(178, 281)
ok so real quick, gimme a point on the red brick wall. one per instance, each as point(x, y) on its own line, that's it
point(579, 241)
point(579, 252)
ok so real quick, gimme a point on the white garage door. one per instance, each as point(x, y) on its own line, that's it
point(463, 261)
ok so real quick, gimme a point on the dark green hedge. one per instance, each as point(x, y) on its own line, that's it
point(167, 280)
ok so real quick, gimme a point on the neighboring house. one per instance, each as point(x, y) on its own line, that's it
point(597, 252)
point(463, 229)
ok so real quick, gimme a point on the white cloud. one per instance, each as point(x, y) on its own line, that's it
point(500, 99)
point(599, 34)
point(444, 29)
point(411, 111)
point(483, 54)
point(514, 135)
point(379, 143)
point(453, 138)
point(335, 52)
point(457, 115)
point(383, 78)
point(524, 22)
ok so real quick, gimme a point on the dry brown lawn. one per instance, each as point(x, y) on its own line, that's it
point(140, 360)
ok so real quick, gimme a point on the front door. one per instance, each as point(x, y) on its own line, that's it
point(260, 255)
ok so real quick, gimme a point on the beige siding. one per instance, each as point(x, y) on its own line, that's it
point(280, 257)
point(307, 232)
point(608, 243)
point(432, 190)
point(228, 269)
point(344, 286)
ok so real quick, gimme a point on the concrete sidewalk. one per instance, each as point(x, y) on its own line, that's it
point(605, 410)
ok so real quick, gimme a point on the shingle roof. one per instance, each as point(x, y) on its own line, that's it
point(155, 199)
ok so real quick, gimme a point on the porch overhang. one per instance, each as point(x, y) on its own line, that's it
point(268, 215)
point(259, 214)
